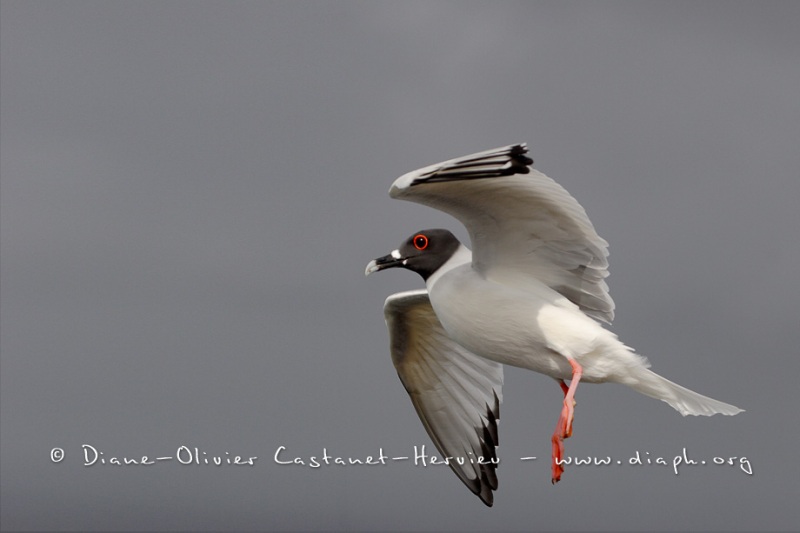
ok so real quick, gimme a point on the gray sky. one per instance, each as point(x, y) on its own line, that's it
point(191, 190)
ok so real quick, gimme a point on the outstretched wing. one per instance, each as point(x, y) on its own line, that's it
point(456, 394)
point(521, 223)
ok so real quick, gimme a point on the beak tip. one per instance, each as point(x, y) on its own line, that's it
point(372, 266)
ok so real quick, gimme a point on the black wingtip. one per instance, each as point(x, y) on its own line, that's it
point(499, 162)
point(518, 152)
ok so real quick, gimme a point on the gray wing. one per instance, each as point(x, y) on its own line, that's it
point(456, 394)
point(521, 223)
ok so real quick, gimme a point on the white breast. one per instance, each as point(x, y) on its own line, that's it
point(529, 326)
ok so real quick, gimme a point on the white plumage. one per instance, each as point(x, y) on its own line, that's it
point(530, 295)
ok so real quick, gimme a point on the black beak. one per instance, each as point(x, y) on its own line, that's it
point(382, 263)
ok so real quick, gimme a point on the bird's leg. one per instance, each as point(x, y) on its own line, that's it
point(570, 403)
point(558, 443)
point(564, 425)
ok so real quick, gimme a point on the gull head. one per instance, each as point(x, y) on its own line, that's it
point(423, 252)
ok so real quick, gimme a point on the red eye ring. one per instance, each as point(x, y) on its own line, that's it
point(420, 241)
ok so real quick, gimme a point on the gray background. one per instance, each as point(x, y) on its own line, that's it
point(191, 191)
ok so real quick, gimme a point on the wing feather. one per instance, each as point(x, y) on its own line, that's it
point(455, 393)
point(521, 223)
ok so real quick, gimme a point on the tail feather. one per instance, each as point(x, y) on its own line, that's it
point(683, 400)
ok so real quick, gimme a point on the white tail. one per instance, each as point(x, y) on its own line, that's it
point(683, 400)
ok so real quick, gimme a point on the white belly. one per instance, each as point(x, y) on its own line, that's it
point(533, 328)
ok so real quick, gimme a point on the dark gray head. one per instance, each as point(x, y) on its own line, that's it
point(424, 252)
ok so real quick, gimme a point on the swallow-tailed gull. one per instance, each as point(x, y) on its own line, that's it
point(530, 295)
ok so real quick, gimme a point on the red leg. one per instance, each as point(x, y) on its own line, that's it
point(564, 387)
point(564, 424)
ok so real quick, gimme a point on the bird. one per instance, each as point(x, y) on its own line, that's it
point(531, 294)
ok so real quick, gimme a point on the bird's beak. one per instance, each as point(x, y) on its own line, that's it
point(382, 263)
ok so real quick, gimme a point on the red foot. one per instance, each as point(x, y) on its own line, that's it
point(558, 456)
point(563, 431)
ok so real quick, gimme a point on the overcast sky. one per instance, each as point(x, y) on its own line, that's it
point(191, 191)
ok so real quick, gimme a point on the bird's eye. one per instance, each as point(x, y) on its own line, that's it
point(420, 241)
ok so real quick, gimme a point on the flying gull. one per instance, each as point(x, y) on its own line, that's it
point(530, 294)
